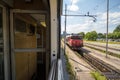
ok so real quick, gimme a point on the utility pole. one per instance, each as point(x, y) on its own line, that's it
point(107, 28)
point(65, 29)
point(86, 15)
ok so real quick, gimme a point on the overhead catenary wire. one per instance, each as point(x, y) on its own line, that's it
point(114, 6)
point(75, 12)
point(98, 5)
point(86, 15)
point(95, 8)
point(67, 4)
point(68, 10)
point(110, 8)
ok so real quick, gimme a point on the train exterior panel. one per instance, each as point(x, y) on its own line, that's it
point(30, 39)
point(75, 42)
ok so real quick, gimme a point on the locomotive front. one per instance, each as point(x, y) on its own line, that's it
point(75, 42)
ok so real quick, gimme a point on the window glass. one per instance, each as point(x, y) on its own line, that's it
point(76, 37)
point(20, 26)
point(1, 47)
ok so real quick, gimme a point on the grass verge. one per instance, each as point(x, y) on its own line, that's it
point(98, 76)
point(69, 68)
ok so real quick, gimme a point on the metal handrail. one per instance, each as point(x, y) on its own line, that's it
point(56, 72)
point(60, 70)
point(52, 73)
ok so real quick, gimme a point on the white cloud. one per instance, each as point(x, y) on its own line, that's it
point(73, 7)
point(70, 17)
point(74, 1)
point(103, 16)
point(115, 15)
point(115, 21)
point(101, 22)
point(81, 27)
point(85, 27)
point(111, 15)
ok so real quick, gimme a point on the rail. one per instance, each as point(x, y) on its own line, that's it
point(109, 71)
point(56, 72)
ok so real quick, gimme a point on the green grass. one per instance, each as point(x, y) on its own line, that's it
point(69, 68)
point(98, 76)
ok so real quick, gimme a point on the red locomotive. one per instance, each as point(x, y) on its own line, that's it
point(74, 41)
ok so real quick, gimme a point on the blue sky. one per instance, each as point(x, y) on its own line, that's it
point(94, 7)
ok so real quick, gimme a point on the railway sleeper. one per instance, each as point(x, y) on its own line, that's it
point(109, 52)
point(112, 77)
point(106, 70)
point(98, 62)
point(98, 65)
point(102, 46)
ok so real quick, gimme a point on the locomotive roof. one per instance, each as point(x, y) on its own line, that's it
point(74, 35)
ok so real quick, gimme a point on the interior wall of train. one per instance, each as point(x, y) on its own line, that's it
point(29, 31)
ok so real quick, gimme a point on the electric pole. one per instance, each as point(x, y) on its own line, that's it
point(65, 29)
point(107, 28)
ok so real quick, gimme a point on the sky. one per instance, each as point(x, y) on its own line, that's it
point(94, 7)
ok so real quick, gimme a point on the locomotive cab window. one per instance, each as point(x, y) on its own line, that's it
point(76, 37)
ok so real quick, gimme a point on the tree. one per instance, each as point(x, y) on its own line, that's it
point(117, 29)
point(91, 36)
point(110, 36)
point(87, 36)
point(100, 35)
point(94, 35)
point(82, 34)
point(116, 35)
point(116, 32)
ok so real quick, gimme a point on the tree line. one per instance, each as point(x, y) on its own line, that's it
point(93, 35)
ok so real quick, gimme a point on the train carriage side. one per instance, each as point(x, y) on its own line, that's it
point(29, 39)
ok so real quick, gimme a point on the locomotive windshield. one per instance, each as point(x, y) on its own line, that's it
point(76, 37)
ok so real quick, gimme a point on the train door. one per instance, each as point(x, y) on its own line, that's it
point(29, 49)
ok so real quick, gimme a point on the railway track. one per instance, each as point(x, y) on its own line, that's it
point(111, 51)
point(107, 70)
point(110, 72)
point(116, 49)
